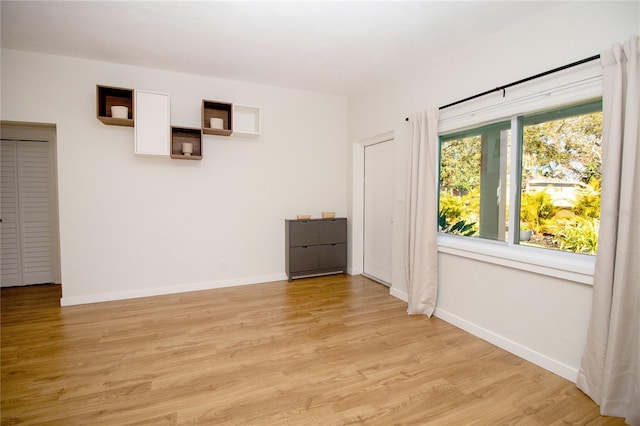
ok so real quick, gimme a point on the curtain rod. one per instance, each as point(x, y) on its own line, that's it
point(524, 80)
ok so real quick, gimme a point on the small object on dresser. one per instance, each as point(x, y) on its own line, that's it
point(303, 216)
point(328, 215)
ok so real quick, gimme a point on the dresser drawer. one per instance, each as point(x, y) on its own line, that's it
point(333, 231)
point(304, 258)
point(332, 256)
point(303, 233)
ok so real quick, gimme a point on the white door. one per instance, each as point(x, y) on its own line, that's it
point(26, 237)
point(378, 211)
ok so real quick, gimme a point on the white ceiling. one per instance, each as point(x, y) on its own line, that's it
point(334, 47)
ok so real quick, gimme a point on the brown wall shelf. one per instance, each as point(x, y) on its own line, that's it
point(186, 134)
point(215, 109)
point(106, 97)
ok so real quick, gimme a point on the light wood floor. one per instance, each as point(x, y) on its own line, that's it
point(326, 351)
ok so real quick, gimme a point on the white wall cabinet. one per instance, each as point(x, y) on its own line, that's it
point(152, 124)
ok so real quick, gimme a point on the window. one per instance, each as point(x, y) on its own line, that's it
point(473, 182)
point(556, 168)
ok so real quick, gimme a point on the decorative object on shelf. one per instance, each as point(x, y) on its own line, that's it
point(108, 97)
point(303, 216)
point(328, 215)
point(217, 123)
point(181, 138)
point(187, 148)
point(120, 112)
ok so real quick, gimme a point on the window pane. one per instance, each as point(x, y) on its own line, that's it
point(473, 182)
point(561, 174)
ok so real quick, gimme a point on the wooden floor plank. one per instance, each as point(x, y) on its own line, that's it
point(323, 351)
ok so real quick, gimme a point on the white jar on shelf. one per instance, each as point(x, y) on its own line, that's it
point(187, 148)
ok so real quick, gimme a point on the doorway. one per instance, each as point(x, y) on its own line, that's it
point(29, 209)
point(378, 211)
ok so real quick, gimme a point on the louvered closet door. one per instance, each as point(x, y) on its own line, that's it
point(26, 237)
point(10, 247)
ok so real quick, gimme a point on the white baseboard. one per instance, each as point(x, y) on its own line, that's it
point(158, 291)
point(502, 342)
point(353, 271)
point(399, 295)
point(515, 348)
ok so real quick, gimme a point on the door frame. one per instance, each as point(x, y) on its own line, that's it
point(24, 131)
point(357, 221)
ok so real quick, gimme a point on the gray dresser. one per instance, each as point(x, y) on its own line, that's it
point(315, 247)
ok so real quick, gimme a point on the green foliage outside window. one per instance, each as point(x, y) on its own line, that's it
point(459, 227)
point(580, 236)
point(460, 165)
point(537, 212)
point(566, 149)
point(588, 203)
point(461, 207)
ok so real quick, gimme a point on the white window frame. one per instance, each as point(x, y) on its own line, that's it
point(555, 263)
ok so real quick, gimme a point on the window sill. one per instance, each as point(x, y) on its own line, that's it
point(568, 266)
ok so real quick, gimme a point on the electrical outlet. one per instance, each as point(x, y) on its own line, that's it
point(221, 264)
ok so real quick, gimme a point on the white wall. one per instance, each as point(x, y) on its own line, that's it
point(133, 226)
point(541, 318)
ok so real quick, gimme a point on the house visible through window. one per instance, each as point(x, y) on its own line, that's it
point(557, 169)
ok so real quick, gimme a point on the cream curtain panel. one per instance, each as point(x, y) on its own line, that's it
point(610, 367)
point(421, 234)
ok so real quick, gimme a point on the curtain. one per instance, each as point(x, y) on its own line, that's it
point(422, 214)
point(609, 371)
